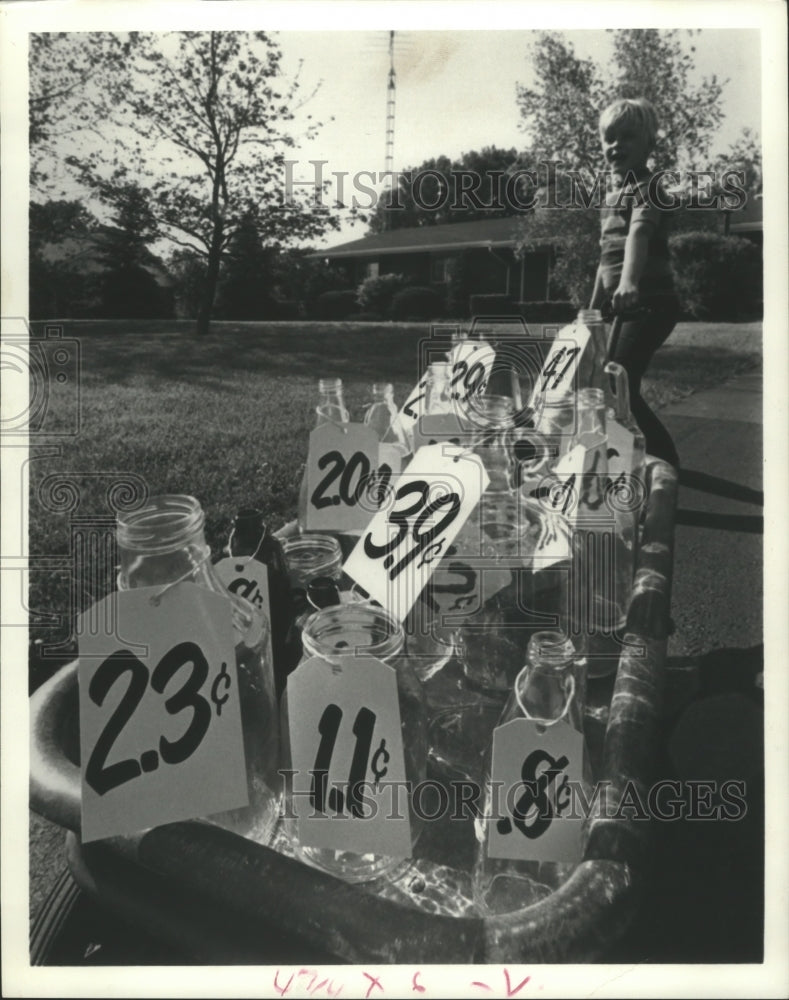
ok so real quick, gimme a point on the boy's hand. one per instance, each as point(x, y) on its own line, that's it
point(625, 297)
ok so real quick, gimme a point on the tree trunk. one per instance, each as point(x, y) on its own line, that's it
point(209, 289)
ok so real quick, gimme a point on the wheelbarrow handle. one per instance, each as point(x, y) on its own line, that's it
point(55, 791)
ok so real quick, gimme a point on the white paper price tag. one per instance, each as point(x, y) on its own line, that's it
point(346, 481)
point(472, 362)
point(403, 543)
point(557, 375)
point(347, 756)
point(620, 449)
point(580, 493)
point(533, 817)
point(247, 577)
point(160, 733)
point(435, 428)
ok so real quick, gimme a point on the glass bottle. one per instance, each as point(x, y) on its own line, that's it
point(622, 413)
point(438, 396)
point(556, 422)
point(603, 547)
point(365, 629)
point(491, 417)
point(308, 557)
point(591, 369)
point(380, 409)
point(547, 691)
point(162, 543)
point(330, 408)
point(250, 538)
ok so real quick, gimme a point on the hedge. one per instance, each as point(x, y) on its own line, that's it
point(335, 305)
point(532, 312)
point(417, 303)
point(717, 277)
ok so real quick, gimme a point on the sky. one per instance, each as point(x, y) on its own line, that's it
point(456, 91)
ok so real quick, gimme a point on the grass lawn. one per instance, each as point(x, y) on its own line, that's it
point(226, 418)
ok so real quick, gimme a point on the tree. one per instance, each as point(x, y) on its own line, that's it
point(560, 114)
point(440, 184)
point(55, 283)
point(248, 274)
point(201, 122)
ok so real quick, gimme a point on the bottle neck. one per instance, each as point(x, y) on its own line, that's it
point(438, 389)
point(545, 688)
point(249, 533)
point(331, 404)
point(591, 413)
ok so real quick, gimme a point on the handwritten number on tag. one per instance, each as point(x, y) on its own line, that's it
point(534, 811)
point(408, 408)
point(421, 535)
point(328, 729)
point(103, 777)
point(357, 465)
point(550, 369)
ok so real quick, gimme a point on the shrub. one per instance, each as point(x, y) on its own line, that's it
point(376, 294)
point(282, 309)
point(717, 277)
point(492, 305)
point(335, 305)
point(417, 302)
point(363, 317)
point(547, 312)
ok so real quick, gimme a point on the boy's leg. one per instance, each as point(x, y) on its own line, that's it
point(638, 340)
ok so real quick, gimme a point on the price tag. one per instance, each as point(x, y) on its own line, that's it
point(580, 493)
point(347, 754)
point(160, 733)
point(247, 577)
point(557, 375)
point(620, 448)
point(533, 816)
point(472, 362)
point(433, 428)
point(403, 543)
point(346, 483)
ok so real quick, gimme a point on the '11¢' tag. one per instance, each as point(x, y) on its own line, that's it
point(160, 728)
point(347, 755)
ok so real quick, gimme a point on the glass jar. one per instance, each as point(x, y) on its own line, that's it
point(491, 419)
point(363, 629)
point(163, 543)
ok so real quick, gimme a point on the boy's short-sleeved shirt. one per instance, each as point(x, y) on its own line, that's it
point(636, 199)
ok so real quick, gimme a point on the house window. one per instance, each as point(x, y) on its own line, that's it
point(440, 270)
point(371, 269)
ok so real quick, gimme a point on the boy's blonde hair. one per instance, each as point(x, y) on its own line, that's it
point(638, 111)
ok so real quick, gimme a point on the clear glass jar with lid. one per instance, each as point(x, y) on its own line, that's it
point(162, 543)
point(364, 629)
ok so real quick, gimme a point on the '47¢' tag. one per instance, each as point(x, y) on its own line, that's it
point(535, 777)
point(404, 542)
point(347, 756)
point(160, 731)
point(556, 377)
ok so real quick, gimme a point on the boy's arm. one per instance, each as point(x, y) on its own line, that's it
point(636, 246)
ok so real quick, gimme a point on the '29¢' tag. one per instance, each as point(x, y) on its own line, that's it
point(160, 719)
point(405, 541)
point(535, 777)
point(347, 756)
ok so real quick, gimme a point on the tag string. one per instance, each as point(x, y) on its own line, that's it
point(548, 722)
point(247, 558)
point(156, 599)
point(330, 420)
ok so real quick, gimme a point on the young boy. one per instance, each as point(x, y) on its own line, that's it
point(635, 269)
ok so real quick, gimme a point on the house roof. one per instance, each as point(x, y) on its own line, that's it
point(502, 232)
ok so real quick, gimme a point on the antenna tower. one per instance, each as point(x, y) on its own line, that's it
point(390, 111)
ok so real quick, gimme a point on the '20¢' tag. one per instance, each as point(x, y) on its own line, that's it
point(160, 727)
point(347, 756)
